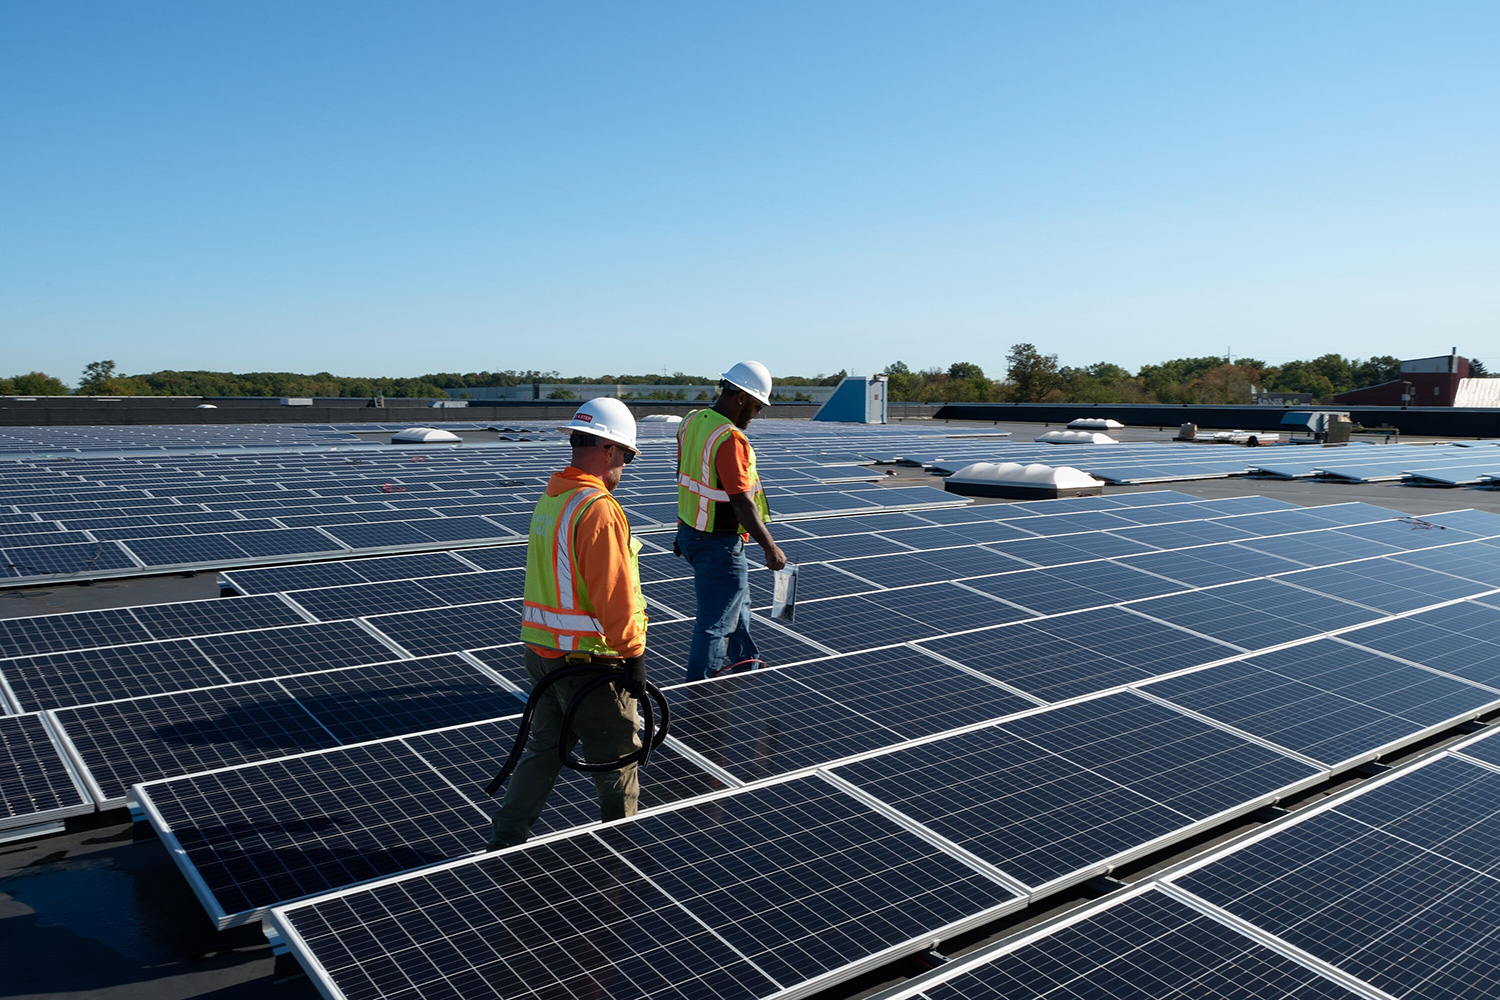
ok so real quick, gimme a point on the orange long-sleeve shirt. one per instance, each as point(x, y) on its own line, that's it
point(601, 547)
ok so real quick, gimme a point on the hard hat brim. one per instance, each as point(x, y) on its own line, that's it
point(764, 400)
point(570, 429)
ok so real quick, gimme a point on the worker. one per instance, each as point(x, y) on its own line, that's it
point(582, 604)
point(720, 507)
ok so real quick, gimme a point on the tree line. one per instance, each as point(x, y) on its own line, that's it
point(102, 378)
point(1030, 377)
point(1034, 377)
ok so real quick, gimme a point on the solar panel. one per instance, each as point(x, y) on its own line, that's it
point(1460, 639)
point(123, 742)
point(1147, 946)
point(1071, 588)
point(62, 560)
point(1384, 584)
point(185, 618)
point(1060, 658)
point(815, 880)
point(1210, 564)
point(517, 917)
point(1255, 614)
point(838, 547)
point(503, 557)
point(74, 630)
point(469, 588)
point(882, 618)
point(1059, 795)
point(668, 643)
point(404, 696)
point(357, 600)
point(928, 567)
point(1393, 885)
point(442, 630)
point(1327, 700)
point(1064, 549)
point(53, 680)
point(277, 652)
point(37, 784)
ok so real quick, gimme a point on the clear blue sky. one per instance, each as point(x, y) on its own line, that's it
point(378, 188)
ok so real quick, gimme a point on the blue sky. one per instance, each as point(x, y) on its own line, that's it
point(393, 188)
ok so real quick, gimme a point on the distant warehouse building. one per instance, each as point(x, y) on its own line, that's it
point(1440, 381)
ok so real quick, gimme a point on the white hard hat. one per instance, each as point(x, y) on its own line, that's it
point(608, 418)
point(751, 376)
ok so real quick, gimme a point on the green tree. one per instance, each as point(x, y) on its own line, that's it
point(37, 384)
point(1031, 373)
point(1477, 369)
point(96, 378)
point(561, 393)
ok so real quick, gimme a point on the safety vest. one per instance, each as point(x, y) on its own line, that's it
point(557, 612)
point(700, 502)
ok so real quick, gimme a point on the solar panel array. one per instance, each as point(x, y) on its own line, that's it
point(1015, 697)
point(81, 518)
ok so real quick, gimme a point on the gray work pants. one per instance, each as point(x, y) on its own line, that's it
point(605, 725)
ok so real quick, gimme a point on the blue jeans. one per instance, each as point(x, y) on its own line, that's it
point(721, 583)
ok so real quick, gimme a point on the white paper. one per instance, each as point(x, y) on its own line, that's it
point(784, 596)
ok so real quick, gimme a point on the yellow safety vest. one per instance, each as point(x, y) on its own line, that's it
point(700, 502)
point(557, 612)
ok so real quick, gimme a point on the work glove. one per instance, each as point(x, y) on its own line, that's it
point(635, 676)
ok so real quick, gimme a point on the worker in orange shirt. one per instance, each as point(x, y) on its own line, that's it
point(720, 507)
point(582, 604)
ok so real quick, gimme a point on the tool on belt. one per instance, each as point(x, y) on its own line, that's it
point(604, 671)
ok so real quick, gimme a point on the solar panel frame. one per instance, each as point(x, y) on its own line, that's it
point(34, 766)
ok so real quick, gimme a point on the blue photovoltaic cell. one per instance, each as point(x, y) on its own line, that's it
point(1317, 548)
point(1069, 548)
point(1053, 795)
point(416, 565)
point(503, 925)
point(1255, 614)
point(277, 652)
point(1461, 639)
point(378, 536)
point(1487, 748)
point(358, 600)
point(1060, 658)
point(668, 645)
point(801, 550)
point(1472, 561)
point(1385, 584)
point(1146, 947)
point(470, 588)
point(169, 621)
point(816, 879)
point(1071, 588)
point(1067, 524)
point(814, 580)
point(1211, 564)
point(186, 549)
point(274, 579)
point(34, 780)
point(864, 621)
point(907, 690)
point(443, 630)
point(72, 630)
point(52, 560)
point(908, 568)
point(858, 523)
point(1401, 915)
point(283, 542)
point(407, 696)
point(1328, 700)
point(1182, 534)
point(765, 722)
point(123, 742)
point(283, 829)
point(52, 680)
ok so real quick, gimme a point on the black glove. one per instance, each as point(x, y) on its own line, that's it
point(635, 676)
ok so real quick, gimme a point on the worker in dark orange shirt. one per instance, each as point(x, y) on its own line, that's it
point(720, 507)
point(583, 603)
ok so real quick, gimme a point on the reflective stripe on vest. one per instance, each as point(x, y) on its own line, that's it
point(556, 611)
point(698, 478)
